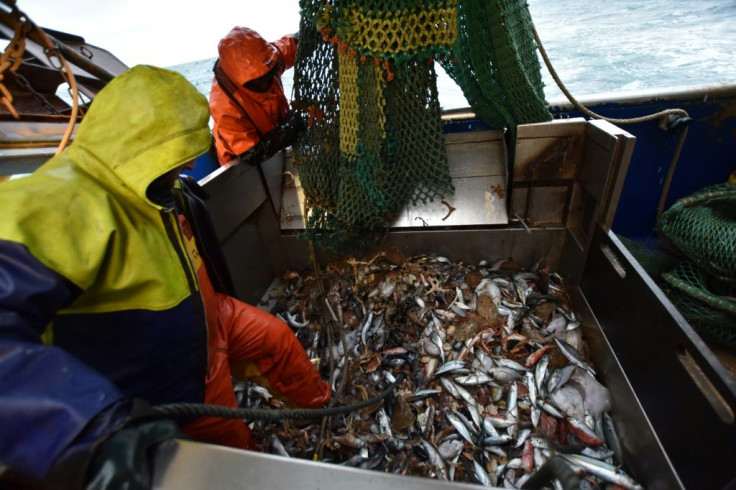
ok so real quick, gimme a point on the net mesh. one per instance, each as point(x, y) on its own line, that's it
point(496, 65)
point(707, 304)
point(703, 227)
point(365, 80)
point(694, 260)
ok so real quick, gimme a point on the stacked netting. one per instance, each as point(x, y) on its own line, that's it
point(702, 228)
point(365, 79)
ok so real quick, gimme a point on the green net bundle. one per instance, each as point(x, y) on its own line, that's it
point(706, 303)
point(702, 228)
point(365, 80)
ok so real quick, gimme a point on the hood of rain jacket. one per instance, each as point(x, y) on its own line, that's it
point(77, 240)
point(245, 55)
point(146, 122)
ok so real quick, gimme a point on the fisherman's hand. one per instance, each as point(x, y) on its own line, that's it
point(124, 460)
point(295, 122)
point(276, 140)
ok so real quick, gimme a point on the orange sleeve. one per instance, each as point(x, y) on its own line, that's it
point(263, 347)
point(234, 134)
point(286, 47)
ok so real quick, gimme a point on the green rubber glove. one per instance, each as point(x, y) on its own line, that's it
point(124, 460)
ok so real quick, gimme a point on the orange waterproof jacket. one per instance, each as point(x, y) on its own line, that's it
point(248, 343)
point(244, 56)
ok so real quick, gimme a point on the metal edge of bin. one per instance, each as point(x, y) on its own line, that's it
point(183, 464)
point(687, 394)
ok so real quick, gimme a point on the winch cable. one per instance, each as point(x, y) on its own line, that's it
point(203, 409)
point(674, 119)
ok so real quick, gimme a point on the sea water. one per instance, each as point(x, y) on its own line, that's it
point(605, 46)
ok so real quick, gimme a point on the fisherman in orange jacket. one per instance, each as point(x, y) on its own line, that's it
point(247, 101)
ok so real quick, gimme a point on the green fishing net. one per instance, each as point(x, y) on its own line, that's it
point(365, 81)
point(707, 304)
point(702, 226)
point(496, 65)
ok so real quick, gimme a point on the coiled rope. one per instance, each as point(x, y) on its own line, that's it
point(24, 26)
point(201, 409)
point(679, 115)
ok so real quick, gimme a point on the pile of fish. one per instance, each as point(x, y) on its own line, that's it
point(496, 381)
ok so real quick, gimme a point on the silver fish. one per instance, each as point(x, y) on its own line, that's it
point(612, 440)
point(497, 440)
point(540, 373)
point(450, 367)
point(599, 453)
point(481, 474)
point(450, 387)
point(559, 377)
point(512, 396)
point(458, 310)
point(475, 415)
point(522, 437)
point(531, 386)
point(572, 355)
point(460, 427)
point(552, 410)
point(536, 415)
point(466, 396)
point(499, 422)
point(602, 470)
point(470, 425)
point(453, 466)
point(383, 422)
point(277, 447)
point(474, 379)
point(504, 375)
point(509, 363)
point(361, 456)
point(435, 459)
point(436, 340)
point(364, 327)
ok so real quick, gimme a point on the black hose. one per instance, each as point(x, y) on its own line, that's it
point(200, 409)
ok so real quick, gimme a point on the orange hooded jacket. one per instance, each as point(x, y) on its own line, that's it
point(248, 343)
point(244, 56)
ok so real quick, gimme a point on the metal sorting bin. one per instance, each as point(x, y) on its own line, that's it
point(672, 401)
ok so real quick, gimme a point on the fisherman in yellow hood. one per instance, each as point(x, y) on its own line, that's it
point(108, 256)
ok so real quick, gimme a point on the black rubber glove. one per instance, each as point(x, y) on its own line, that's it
point(125, 459)
point(276, 140)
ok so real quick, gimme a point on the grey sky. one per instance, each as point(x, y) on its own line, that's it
point(163, 33)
